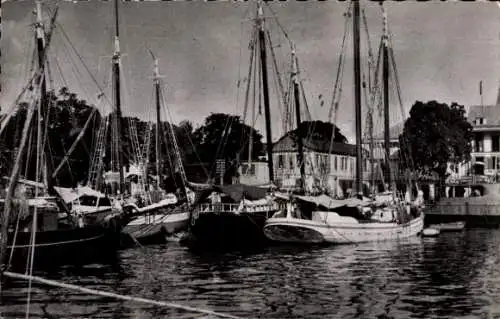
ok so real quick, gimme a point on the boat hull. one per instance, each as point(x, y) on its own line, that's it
point(430, 232)
point(227, 230)
point(449, 227)
point(294, 230)
point(80, 246)
point(154, 229)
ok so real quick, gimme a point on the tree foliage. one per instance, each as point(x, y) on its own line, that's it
point(434, 135)
point(220, 136)
point(67, 116)
point(319, 130)
point(226, 136)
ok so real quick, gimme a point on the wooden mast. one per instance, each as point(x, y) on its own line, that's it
point(267, 112)
point(385, 79)
point(118, 115)
point(357, 99)
point(44, 105)
point(296, 94)
point(156, 76)
point(40, 85)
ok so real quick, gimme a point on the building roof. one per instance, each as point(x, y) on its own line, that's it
point(489, 112)
point(287, 144)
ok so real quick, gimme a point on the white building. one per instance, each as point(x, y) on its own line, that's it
point(485, 154)
point(330, 168)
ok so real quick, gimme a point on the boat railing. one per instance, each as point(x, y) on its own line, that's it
point(472, 179)
point(234, 208)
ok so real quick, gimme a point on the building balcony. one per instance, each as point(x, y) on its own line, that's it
point(486, 128)
point(484, 153)
point(473, 179)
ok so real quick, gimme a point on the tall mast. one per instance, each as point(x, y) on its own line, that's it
point(372, 146)
point(40, 48)
point(116, 78)
point(357, 99)
point(39, 85)
point(156, 76)
point(300, 147)
point(267, 112)
point(385, 78)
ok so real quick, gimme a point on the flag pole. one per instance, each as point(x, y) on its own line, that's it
point(481, 91)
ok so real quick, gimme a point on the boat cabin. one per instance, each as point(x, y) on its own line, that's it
point(47, 211)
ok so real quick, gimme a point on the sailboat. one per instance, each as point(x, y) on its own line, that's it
point(351, 220)
point(36, 227)
point(232, 216)
point(166, 216)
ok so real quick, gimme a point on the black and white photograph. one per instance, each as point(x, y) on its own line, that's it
point(249, 159)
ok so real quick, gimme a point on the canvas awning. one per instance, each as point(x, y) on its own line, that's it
point(330, 203)
point(69, 195)
point(236, 192)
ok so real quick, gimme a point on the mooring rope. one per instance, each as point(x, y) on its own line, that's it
point(116, 296)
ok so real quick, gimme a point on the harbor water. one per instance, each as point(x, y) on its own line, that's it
point(456, 275)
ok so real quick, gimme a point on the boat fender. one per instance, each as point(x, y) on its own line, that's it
point(194, 216)
point(80, 220)
point(112, 225)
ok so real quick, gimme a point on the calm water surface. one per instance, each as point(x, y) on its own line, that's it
point(454, 276)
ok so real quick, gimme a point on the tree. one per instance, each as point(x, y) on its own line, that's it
point(67, 117)
point(319, 130)
point(224, 136)
point(184, 134)
point(434, 135)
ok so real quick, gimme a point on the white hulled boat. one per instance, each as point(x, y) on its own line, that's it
point(353, 220)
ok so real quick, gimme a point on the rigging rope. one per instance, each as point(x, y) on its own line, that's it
point(101, 293)
point(277, 78)
point(252, 49)
point(337, 88)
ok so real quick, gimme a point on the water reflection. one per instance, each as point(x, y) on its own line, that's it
point(452, 276)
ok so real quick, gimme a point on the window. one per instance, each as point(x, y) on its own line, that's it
point(281, 161)
point(480, 146)
point(495, 143)
point(343, 163)
point(104, 201)
point(248, 169)
point(480, 121)
point(489, 162)
point(478, 142)
point(335, 161)
point(290, 161)
point(323, 164)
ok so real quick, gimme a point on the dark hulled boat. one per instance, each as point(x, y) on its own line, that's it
point(38, 230)
point(230, 217)
point(59, 238)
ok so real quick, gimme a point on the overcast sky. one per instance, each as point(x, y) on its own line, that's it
point(442, 50)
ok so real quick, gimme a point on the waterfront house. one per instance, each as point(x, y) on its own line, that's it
point(329, 167)
point(485, 155)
